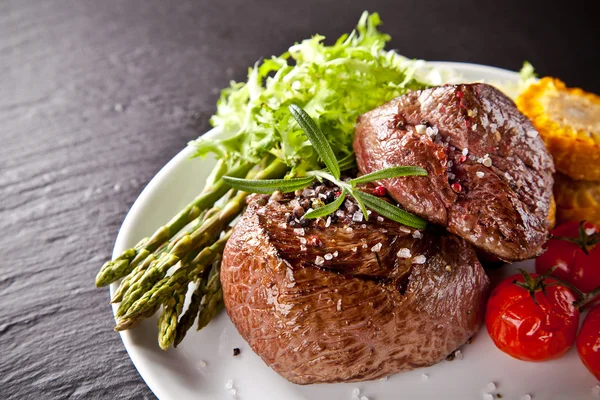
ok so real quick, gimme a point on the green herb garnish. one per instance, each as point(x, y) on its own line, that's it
point(332, 173)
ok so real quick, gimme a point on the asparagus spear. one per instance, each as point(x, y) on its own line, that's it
point(187, 319)
point(212, 303)
point(128, 323)
point(180, 278)
point(126, 262)
point(167, 322)
point(140, 270)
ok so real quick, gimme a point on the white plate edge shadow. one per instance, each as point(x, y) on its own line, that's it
point(142, 361)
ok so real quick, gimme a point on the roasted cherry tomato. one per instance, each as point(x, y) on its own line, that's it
point(573, 264)
point(588, 342)
point(526, 330)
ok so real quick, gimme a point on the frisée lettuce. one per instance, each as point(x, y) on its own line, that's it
point(334, 84)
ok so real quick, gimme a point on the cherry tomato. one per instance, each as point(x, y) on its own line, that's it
point(588, 342)
point(529, 331)
point(573, 265)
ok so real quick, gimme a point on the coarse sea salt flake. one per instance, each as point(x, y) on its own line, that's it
point(376, 248)
point(328, 222)
point(480, 174)
point(420, 259)
point(404, 253)
point(335, 253)
point(299, 231)
point(319, 260)
point(421, 129)
point(328, 256)
point(417, 234)
point(357, 216)
point(490, 387)
point(380, 218)
point(465, 151)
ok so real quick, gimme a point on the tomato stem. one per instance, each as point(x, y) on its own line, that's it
point(583, 240)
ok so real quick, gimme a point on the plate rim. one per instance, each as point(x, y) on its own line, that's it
point(137, 206)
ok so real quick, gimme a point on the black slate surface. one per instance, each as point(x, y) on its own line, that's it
point(95, 96)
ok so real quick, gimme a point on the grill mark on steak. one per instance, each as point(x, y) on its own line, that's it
point(496, 196)
point(351, 318)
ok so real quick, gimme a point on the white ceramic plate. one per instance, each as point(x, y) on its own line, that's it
point(202, 365)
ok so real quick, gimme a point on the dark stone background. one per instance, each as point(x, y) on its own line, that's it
point(72, 162)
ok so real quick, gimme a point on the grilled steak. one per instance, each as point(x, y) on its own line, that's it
point(490, 176)
point(340, 299)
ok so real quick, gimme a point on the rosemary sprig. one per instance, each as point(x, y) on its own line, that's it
point(332, 174)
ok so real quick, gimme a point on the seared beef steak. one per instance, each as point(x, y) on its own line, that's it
point(490, 175)
point(340, 299)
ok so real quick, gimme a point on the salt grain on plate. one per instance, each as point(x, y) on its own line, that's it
point(458, 355)
point(233, 392)
point(202, 364)
point(404, 253)
point(487, 396)
point(420, 259)
point(385, 378)
point(424, 377)
point(596, 390)
point(356, 392)
point(229, 384)
point(490, 387)
point(526, 397)
point(364, 398)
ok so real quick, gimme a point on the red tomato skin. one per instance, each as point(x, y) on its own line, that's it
point(574, 266)
point(527, 331)
point(588, 342)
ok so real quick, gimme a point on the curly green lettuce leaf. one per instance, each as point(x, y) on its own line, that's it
point(334, 84)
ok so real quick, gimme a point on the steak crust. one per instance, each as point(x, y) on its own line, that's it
point(490, 175)
point(341, 300)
